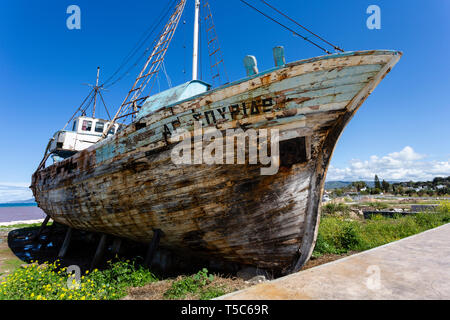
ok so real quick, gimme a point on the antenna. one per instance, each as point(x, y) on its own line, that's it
point(92, 97)
point(96, 89)
point(95, 94)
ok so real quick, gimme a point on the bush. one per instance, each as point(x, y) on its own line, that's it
point(334, 208)
point(337, 236)
point(444, 210)
point(375, 191)
point(376, 205)
point(349, 237)
point(323, 246)
point(52, 282)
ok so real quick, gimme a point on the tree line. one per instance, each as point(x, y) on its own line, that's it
point(439, 186)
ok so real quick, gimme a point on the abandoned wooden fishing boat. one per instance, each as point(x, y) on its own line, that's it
point(126, 183)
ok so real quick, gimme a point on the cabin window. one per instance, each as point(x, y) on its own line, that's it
point(87, 125)
point(99, 126)
point(74, 126)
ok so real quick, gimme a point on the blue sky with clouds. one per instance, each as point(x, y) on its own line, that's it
point(401, 132)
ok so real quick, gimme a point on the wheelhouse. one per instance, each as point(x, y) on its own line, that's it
point(85, 132)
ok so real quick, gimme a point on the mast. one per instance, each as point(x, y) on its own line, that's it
point(96, 88)
point(196, 36)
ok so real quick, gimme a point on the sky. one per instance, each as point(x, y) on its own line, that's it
point(400, 133)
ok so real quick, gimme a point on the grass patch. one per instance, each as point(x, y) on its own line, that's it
point(335, 208)
point(196, 285)
point(338, 235)
point(24, 225)
point(211, 293)
point(51, 282)
point(13, 263)
point(376, 205)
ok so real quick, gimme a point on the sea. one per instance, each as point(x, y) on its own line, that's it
point(11, 212)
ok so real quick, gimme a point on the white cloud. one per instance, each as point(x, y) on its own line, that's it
point(407, 154)
point(15, 184)
point(403, 165)
point(14, 192)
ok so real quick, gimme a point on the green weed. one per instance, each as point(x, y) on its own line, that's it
point(193, 285)
point(338, 235)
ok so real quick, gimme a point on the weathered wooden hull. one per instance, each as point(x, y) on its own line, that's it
point(128, 186)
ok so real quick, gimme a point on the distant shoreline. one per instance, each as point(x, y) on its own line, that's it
point(13, 205)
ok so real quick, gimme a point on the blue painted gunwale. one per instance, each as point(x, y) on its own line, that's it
point(295, 63)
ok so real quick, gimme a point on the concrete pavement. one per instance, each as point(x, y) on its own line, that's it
point(417, 267)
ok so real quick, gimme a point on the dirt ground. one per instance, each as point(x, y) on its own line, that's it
point(314, 262)
point(8, 260)
point(155, 291)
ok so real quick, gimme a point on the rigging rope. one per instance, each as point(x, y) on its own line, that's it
point(83, 111)
point(151, 66)
point(143, 40)
point(286, 16)
point(101, 96)
point(169, 82)
point(286, 27)
point(126, 73)
point(79, 108)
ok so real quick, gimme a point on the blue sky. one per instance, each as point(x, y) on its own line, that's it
point(401, 132)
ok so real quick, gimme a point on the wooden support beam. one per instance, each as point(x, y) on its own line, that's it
point(53, 227)
point(152, 247)
point(41, 229)
point(66, 243)
point(117, 243)
point(100, 251)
